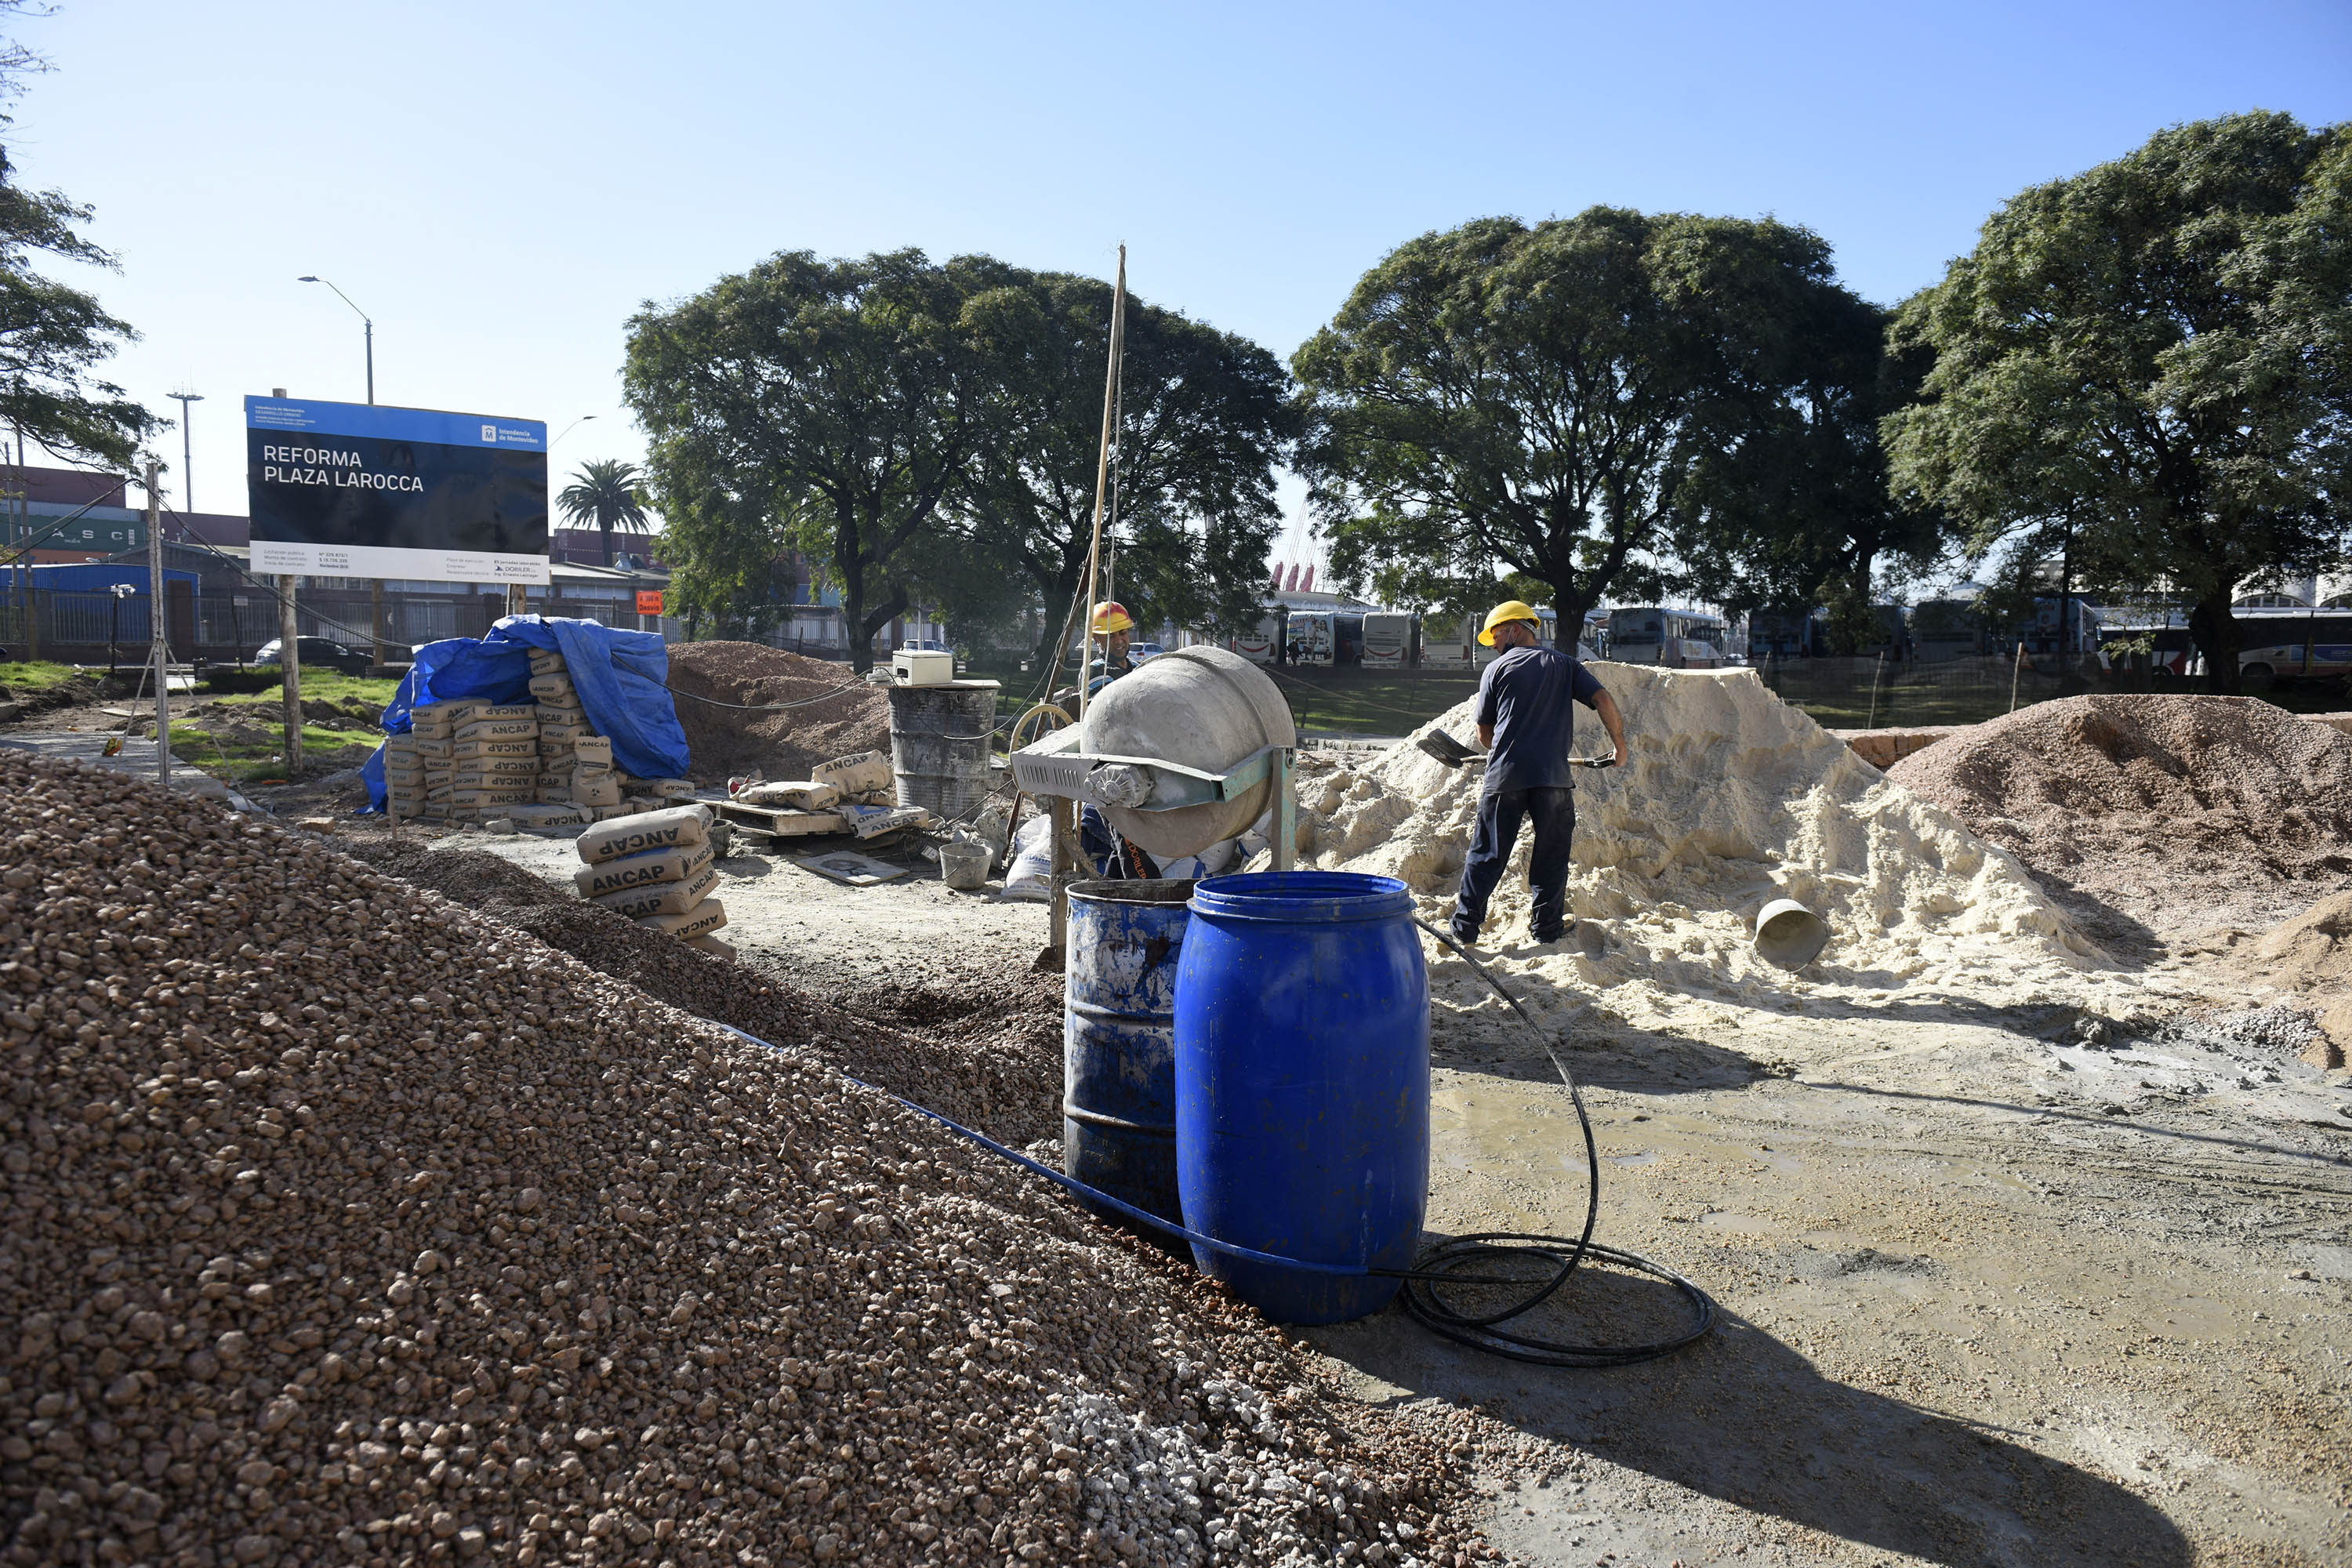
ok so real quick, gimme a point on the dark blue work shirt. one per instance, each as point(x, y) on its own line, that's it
point(1525, 696)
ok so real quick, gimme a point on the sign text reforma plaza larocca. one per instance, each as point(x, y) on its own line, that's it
point(355, 489)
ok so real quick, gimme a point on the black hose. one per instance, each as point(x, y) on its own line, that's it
point(1440, 1267)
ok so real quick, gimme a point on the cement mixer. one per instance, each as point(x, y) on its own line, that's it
point(1183, 753)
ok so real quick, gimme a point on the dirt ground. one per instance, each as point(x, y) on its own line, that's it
point(2009, 1288)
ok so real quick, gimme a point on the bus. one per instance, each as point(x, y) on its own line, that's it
point(2290, 644)
point(1310, 639)
point(1346, 637)
point(1945, 629)
point(1783, 634)
point(1449, 647)
point(1263, 644)
point(1388, 639)
point(1681, 639)
point(1594, 643)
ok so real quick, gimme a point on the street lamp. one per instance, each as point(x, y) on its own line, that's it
point(188, 451)
point(571, 427)
point(346, 298)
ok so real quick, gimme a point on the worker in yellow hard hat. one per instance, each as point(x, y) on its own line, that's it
point(1112, 853)
point(1525, 722)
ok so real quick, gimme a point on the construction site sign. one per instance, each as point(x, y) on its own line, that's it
point(649, 601)
point(356, 490)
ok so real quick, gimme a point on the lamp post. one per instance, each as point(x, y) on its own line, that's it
point(571, 427)
point(364, 321)
point(187, 452)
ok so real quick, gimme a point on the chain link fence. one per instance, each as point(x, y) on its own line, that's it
point(1890, 693)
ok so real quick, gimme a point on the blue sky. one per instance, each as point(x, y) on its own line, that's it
point(501, 186)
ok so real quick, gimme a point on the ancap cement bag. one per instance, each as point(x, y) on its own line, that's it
point(855, 773)
point(595, 790)
point(705, 916)
point(642, 870)
point(546, 661)
point(597, 748)
point(711, 944)
point(671, 789)
point(673, 829)
point(554, 688)
point(662, 897)
point(481, 797)
point(807, 794)
point(503, 728)
point(430, 749)
point(487, 747)
point(561, 732)
point(523, 768)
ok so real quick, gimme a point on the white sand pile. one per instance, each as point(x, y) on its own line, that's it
point(1730, 798)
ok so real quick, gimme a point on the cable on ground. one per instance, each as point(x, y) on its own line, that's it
point(1440, 1267)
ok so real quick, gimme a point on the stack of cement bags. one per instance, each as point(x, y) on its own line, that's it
point(657, 867)
point(463, 761)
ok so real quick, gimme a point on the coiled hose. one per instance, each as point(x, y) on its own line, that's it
point(1440, 1268)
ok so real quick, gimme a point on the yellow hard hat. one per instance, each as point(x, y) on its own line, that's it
point(1508, 610)
point(1110, 615)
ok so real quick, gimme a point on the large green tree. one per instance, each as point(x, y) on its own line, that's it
point(1787, 504)
point(2156, 355)
point(828, 405)
point(1534, 399)
point(1204, 417)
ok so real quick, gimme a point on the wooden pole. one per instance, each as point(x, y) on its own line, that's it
point(159, 652)
point(2015, 669)
point(1102, 472)
point(290, 659)
point(375, 616)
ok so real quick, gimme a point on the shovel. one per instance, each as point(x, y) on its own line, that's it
point(1446, 749)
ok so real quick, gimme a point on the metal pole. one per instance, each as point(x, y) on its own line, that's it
point(159, 653)
point(2016, 669)
point(290, 659)
point(370, 324)
point(375, 618)
point(188, 450)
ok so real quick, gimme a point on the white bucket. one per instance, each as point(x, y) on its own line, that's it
point(1789, 935)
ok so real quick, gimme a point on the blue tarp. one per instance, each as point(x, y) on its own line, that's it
point(623, 679)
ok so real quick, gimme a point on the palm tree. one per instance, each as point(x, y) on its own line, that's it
point(607, 494)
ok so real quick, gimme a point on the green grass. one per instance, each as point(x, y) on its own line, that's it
point(253, 762)
point(325, 686)
point(23, 678)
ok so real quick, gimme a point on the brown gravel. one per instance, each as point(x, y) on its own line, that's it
point(2155, 815)
point(1002, 1077)
point(345, 1225)
point(783, 745)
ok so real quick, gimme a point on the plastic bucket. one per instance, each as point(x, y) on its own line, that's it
point(1789, 935)
point(939, 744)
point(964, 867)
point(1302, 1085)
point(1118, 1040)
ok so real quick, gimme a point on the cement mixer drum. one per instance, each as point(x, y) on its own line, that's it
point(1199, 707)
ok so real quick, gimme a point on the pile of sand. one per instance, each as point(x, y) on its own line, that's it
point(2173, 812)
point(2311, 956)
point(845, 716)
point(1730, 799)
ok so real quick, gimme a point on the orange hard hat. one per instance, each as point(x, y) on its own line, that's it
point(1110, 615)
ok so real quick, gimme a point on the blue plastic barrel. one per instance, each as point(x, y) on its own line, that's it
point(1119, 1039)
point(1302, 1085)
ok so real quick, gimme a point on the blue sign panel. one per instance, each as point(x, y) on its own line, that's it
point(358, 489)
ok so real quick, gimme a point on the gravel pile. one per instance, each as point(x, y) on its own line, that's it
point(1002, 1077)
point(2171, 812)
point(344, 1227)
point(785, 745)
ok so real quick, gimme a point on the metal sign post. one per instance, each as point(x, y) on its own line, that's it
point(159, 652)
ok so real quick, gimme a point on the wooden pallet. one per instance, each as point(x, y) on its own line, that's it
point(784, 822)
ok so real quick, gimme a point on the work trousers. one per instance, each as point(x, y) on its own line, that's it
point(1499, 814)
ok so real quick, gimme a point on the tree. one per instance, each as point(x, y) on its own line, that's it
point(1789, 507)
point(2159, 351)
point(831, 403)
point(1204, 417)
point(1536, 398)
point(53, 337)
point(605, 495)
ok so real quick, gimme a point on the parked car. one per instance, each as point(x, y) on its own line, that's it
point(1139, 652)
point(317, 653)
